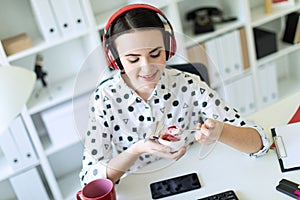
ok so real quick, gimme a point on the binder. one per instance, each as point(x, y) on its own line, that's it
point(23, 142)
point(245, 102)
point(224, 56)
point(60, 123)
point(267, 75)
point(265, 42)
point(231, 89)
point(230, 54)
point(77, 17)
point(62, 16)
point(11, 153)
point(263, 84)
point(69, 15)
point(247, 95)
point(236, 53)
point(197, 54)
point(297, 34)
point(29, 185)
point(272, 82)
point(244, 47)
point(45, 19)
point(292, 29)
point(213, 61)
point(241, 99)
point(287, 143)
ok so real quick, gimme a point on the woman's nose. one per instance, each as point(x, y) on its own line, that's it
point(145, 63)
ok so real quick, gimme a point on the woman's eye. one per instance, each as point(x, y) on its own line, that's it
point(155, 55)
point(134, 60)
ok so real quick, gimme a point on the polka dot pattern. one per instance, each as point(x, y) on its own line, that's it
point(119, 117)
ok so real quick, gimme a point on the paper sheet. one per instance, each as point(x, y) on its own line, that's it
point(291, 139)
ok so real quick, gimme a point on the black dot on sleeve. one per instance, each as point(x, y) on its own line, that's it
point(117, 127)
point(94, 152)
point(130, 108)
point(129, 138)
point(141, 118)
point(105, 124)
point(175, 103)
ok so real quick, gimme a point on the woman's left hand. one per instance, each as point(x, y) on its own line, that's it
point(209, 131)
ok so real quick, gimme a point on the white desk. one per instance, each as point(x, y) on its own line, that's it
point(225, 168)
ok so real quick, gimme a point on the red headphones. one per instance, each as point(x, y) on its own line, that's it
point(110, 53)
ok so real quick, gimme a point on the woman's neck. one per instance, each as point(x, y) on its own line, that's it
point(144, 92)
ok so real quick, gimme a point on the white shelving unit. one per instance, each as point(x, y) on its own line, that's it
point(75, 60)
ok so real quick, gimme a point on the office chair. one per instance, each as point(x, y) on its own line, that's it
point(193, 68)
point(16, 85)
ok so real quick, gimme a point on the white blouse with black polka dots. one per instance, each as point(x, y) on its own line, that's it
point(118, 117)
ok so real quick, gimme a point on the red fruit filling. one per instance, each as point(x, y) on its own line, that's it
point(170, 138)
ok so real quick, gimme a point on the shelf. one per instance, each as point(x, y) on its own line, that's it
point(287, 87)
point(57, 93)
point(259, 17)
point(6, 171)
point(192, 39)
point(283, 49)
point(51, 148)
point(69, 185)
point(39, 45)
point(220, 84)
point(102, 18)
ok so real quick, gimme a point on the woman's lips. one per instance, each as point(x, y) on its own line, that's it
point(150, 77)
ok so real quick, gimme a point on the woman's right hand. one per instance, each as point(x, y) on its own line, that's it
point(157, 149)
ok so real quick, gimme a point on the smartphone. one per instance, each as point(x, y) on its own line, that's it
point(175, 185)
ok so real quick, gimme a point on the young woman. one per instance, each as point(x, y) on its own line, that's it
point(127, 107)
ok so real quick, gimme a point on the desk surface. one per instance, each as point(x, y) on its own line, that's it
point(225, 168)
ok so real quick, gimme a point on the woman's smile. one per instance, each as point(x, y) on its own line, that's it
point(148, 77)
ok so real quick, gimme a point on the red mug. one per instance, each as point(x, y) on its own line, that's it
point(99, 189)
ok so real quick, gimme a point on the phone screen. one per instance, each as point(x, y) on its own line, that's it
point(174, 185)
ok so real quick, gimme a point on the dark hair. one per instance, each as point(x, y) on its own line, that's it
point(136, 18)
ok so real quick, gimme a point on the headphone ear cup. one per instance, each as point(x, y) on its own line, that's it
point(112, 63)
point(115, 58)
point(166, 35)
point(111, 56)
point(170, 44)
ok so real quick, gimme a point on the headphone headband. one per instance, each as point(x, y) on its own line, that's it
point(127, 8)
point(109, 52)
